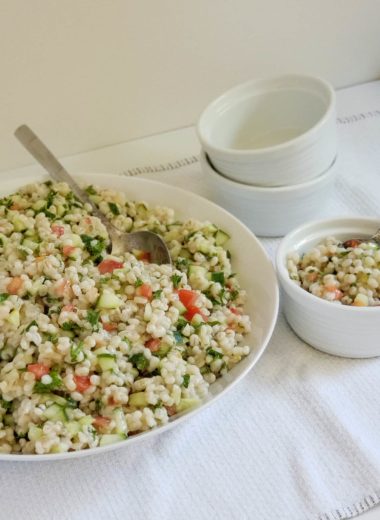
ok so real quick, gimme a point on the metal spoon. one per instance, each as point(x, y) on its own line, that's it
point(355, 242)
point(146, 241)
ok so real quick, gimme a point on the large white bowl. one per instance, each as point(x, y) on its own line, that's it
point(341, 330)
point(269, 212)
point(260, 283)
point(272, 132)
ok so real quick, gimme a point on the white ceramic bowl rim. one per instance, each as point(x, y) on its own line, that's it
point(298, 292)
point(329, 112)
point(268, 189)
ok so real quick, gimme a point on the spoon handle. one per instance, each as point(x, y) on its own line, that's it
point(44, 156)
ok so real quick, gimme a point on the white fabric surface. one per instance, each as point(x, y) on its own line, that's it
point(297, 439)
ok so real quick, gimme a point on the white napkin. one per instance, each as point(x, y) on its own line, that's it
point(297, 439)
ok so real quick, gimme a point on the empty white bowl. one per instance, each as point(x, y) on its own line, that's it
point(269, 212)
point(338, 329)
point(272, 132)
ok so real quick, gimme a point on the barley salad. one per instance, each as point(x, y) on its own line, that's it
point(345, 273)
point(96, 348)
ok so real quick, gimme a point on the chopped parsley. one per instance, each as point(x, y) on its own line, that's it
point(214, 353)
point(186, 380)
point(75, 350)
point(69, 325)
point(178, 337)
point(90, 190)
point(138, 282)
point(176, 279)
point(93, 318)
point(94, 245)
point(139, 361)
point(3, 297)
point(218, 277)
point(5, 404)
point(114, 208)
point(55, 383)
point(157, 294)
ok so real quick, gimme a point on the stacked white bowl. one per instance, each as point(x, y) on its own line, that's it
point(269, 151)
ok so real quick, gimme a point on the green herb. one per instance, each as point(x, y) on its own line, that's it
point(139, 361)
point(50, 198)
point(214, 353)
point(90, 190)
point(157, 294)
point(212, 323)
point(69, 325)
point(138, 282)
point(94, 245)
point(178, 337)
point(218, 277)
point(186, 380)
point(56, 382)
point(31, 324)
point(157, 405)
point(3, 297)
point(5, 404)
point(71, 403)
point(75, 350)
point(176, 279)
point(114, 208)
point(53, 338)
point(181, 323)
point(234, 294)
point(7, 202)
point(93, 318)
point(182, 263)
point(98, 405)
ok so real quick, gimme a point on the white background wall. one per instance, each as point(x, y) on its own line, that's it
point(88, 73)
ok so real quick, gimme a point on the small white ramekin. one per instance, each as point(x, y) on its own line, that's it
point(269, 212)
point(272, 132)
point(337, 329)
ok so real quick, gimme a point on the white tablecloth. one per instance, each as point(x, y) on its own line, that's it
point(298, 438)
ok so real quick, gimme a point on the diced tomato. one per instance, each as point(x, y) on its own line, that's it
point(144, 290)
point(236, 311)
point(112, 401)
point(88, 220)
point(82, 383)
point(171, 410)
point(69, 307)
point(109, 327)
point(62, 287)
point(153, 344)
point(187, 298)
point(57, 230)
point(192, 311)
point(108, 265)
point(68, 250)
point(101, 422)
point(15, 285)
point(144, 256)
point(38, 369)
point(15, 206)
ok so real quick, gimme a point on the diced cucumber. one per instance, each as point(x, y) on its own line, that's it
point(30, 244)
point(40, 204)
point(111, 438)
point(184, 253)
point(73, 427)
point(179, 306)
point(76, 240)
point(138, 399)
point(197, 320)
point(18, 223)
point(35, 433)
point(162, 351)
point(197, 270)
point(185, 404)
point(14, 318)
point(55, 412)
point(120, 421)
point(60, 210)
point(108, 300)
point(221, 237)
point(210, 229)
point(106, 362)
point(86, 420)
